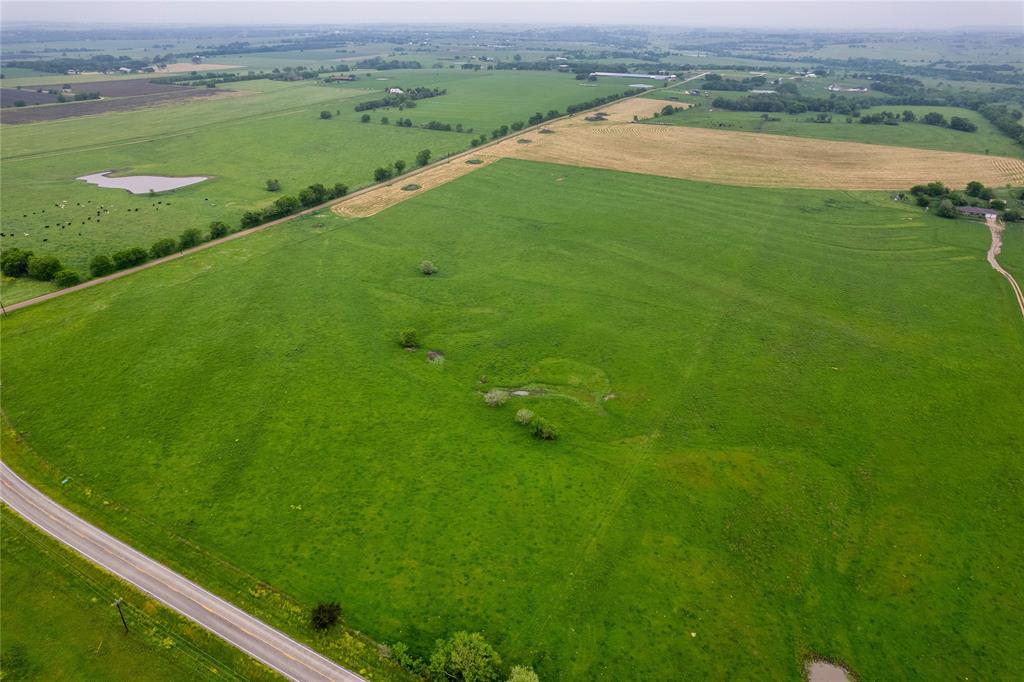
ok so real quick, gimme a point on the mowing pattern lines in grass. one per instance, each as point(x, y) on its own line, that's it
point(820, 369)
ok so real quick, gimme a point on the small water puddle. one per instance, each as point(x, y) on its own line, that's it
point(142, 184)
point(822, 671)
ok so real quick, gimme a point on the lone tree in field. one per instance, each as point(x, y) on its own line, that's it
point(365, 118)
point(423, 157)
point(324, 615)
point(273, 185)
point(427, 268)
point(466, 657)
point(409, 338)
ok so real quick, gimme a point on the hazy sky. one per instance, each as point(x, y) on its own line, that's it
point(823, 14)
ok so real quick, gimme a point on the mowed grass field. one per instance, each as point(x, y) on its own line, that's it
point(273, 132)
point(986, 140)
point(789, 425)
point(59, 622)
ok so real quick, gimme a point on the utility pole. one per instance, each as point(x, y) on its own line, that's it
point(117, 603)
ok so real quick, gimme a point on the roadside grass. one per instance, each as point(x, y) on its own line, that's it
point(986, 140)
point(240, 142)
point(58, 622)
point(788, 425)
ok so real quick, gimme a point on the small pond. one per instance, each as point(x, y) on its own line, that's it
point(141, 184)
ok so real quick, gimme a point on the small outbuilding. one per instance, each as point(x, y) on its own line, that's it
point(976, 212)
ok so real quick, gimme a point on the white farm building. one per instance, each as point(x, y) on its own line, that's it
point(652, 76)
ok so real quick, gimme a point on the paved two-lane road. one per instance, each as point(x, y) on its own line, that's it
point(273, 648)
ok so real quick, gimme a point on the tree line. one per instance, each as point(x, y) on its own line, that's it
point(405, 100)
point(380, 64)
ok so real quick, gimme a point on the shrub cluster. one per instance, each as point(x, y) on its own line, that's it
point(311, 196)
point(464, 656)
point(945, 200)
point(324, 615)
point(21, 263)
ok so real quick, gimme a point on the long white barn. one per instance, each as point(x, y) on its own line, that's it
point(657, 77)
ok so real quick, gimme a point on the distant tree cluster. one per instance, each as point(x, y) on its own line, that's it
point(944, 201)
point(380, 64)
point(406, 99)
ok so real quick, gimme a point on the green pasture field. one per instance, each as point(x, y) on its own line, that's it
point(240, 141)
point(789, 425)
point(59, 623)
point(986, 140)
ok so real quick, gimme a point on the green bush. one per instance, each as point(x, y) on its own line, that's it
point(101, 265)
point(163, 247)
point(524, 416)
point(465, 657)
point(189, 238)
point(946, 209)
point(129, 258)
point(14, 262)
point(543, 429)
point(1012, 216)
point(522, 673)
point(496, 397)
point(218, 229)
point(43, 267)
point(324, 615)
point(428, 268)
point(326, 114)
point(409, 338)
point(401, 654)
point(66, 278)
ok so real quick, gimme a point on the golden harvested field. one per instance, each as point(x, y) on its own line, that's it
point(382, 196)
point(735, 158)
point(719, 156)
